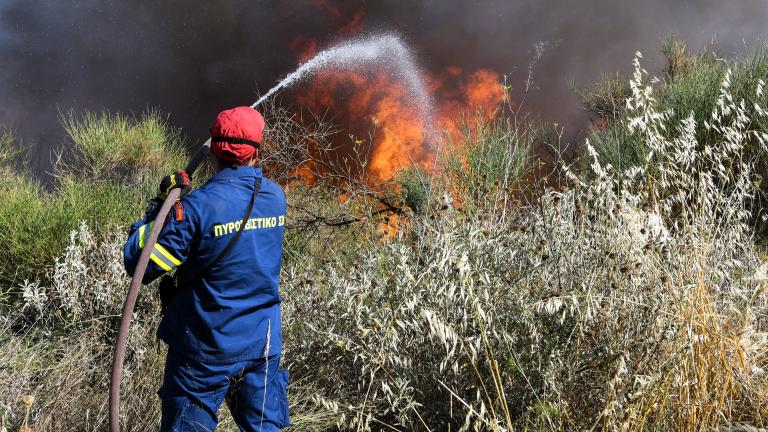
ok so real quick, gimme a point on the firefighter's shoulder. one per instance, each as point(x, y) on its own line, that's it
point(187, 208)
point(272, 187)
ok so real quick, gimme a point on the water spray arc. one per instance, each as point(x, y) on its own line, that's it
point(386, 51)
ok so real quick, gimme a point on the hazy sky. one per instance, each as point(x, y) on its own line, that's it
point(192, 61)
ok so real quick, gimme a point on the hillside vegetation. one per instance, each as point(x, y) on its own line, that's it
point(631, 296)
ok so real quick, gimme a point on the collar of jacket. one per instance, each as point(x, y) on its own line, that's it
point(237, 172)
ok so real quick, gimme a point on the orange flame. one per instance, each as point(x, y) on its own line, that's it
point(365, 103)
point(379, 105)
point(374, 107)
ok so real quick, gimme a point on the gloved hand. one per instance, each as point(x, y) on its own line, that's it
point(179, 179)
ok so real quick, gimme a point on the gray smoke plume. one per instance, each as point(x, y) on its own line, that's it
point(191, 61)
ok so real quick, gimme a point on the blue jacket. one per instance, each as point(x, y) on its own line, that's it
point(230, 312)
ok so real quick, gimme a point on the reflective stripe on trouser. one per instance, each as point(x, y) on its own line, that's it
point(163, 258)
point(255, 391)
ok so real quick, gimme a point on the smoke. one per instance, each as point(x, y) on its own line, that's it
point(193, 61)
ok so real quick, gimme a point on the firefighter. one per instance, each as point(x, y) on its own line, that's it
point(221, 321)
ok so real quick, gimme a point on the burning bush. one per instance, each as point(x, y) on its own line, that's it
point(495, 155)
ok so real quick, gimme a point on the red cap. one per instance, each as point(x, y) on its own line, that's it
point(236, 134)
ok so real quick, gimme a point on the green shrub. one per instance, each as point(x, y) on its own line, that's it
point(691, 87)
point(606, 98)
point(415, 184)
point(112, 167)
point(491, 157)
point(105, 143)
point(617, 146)
point(30, 228)
point(10, 151)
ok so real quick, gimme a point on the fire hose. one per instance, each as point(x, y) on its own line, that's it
point(133, 292)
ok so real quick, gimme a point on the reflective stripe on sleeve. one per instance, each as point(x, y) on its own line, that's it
point(163, 258)
point(159, 248)
point(144, 231)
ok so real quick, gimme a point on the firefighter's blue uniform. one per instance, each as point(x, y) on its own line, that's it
point(223, 330)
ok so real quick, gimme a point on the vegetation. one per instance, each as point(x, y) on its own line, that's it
point(689, 87)
point(630, 297)
point(495, 156)
point(103, 188)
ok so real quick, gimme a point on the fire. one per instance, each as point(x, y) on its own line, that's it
point(400, 142)
point(483, 90)
point(378, 105)
point(373, 103)
point(459, 93)
point(373, 107)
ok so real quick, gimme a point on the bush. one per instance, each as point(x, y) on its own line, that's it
point(618, 147)
point(62, 356)
point(690, 88)
point(322, 227)
point(491, 157)
point(619, 304)
point(106, 143)
point(606, 98)
point(415, 184)
point(10, 151)
point(113, 166)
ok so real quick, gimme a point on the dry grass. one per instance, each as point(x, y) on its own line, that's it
point(57, 348)
point(633, 300)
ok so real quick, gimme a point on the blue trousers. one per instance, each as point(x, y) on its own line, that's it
point(192, 392)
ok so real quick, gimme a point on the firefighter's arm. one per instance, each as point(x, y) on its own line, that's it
point(172, 246)
point(137, 236)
